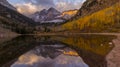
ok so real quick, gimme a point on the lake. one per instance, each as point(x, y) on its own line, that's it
point(61, 51)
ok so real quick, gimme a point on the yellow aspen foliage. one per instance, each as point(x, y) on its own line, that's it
point(99, 21)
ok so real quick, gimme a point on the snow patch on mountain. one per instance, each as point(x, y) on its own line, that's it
point(52, 15)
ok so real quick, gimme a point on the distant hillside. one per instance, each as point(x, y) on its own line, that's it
point(106, 20)
point(91, 6)
point(15, 21)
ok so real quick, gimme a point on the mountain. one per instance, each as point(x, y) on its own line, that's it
point(68, 14)
point(6, 3)
point(95, 16)
point(14, 21)
point(91, 6)
point(3, 30)
point(46, 15)
point(52, 15)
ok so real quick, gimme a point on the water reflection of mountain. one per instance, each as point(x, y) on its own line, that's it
point(50, 55)
point(11, 50)
point(92, 49)
point(51, 51)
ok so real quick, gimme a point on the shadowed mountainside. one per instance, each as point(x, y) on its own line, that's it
point(15, 21)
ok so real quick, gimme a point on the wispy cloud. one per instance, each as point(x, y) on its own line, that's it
point(31, 6)
point(26, 8)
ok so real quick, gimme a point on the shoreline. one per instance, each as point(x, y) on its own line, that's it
point(60, 34)
point(113, 56)
point(66, 34)
point(9, 35)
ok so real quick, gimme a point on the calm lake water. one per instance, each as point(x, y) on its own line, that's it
point(56, 51)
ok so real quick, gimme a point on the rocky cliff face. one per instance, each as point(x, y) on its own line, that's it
point(45, 15)
point(7, 4)
point(53, 15)
point(91, 6)
point(69, 14)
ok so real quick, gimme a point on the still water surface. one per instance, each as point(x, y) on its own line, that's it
point(56, 51)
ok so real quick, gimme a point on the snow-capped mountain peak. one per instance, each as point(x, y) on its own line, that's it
point(53, 15)
point(45, 15)
point(53, 10)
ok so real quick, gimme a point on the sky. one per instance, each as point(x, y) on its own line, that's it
point(28, 7)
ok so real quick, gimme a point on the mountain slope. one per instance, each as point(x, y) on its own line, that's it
point(6, 3)
point(91, 6)
point(4, 31)
point(106, 20)
point(15, 21)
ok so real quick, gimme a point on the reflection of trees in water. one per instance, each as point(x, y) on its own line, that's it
point(11, 50)
point(14, 48)
point(101, 45)
point(92, 59)
point(92, 49)
point(88, 47)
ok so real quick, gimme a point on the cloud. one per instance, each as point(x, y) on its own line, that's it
point(31, 6)
point(41, 2)
point(62, 6)
point(27, 8)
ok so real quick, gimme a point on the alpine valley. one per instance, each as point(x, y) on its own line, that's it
point(93, 16)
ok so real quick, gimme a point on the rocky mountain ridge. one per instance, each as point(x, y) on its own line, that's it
point(53, 15)
point(45, 15)
point(95, 16)
point(91, 6)
point(7, 4)
point(69, 14)
point(14, 21)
